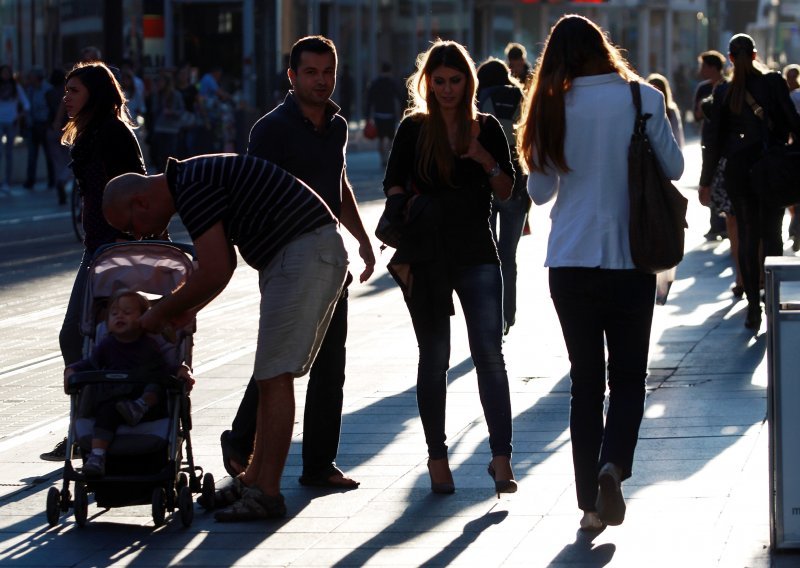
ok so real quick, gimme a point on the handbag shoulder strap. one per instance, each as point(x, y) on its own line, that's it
point(641, 119)
point(758, 110)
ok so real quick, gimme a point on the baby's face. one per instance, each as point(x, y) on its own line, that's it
point(123, 318)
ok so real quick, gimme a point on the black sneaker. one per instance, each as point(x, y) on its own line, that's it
point(59, 453)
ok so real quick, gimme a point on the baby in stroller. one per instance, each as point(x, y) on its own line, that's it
point(125, 348)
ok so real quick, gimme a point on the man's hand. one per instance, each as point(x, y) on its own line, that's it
point(152, 321)
point(704, 195)
point(366, 254)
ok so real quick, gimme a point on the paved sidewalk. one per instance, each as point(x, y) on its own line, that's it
point(698, 496)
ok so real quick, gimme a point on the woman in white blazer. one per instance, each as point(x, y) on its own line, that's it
point(574, 141)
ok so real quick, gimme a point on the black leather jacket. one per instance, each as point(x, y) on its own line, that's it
point(729, 134)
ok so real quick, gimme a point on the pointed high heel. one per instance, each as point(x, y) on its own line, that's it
point(443, 487)
point(501, 485)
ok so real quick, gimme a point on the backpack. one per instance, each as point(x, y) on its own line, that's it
point(503, 102)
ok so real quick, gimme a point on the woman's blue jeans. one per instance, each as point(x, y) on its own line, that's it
point(479, 288)
point(511, 214)
point(601, 309)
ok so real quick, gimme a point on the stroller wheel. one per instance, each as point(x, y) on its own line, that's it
point(66, 498)
point(53, 506)
point(183, 481)
point(159, 506)
point(208, 491)
point(81, 504)
point(186, 506)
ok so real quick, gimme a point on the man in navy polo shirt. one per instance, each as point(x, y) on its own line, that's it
point(286, 232)
point(306, 136)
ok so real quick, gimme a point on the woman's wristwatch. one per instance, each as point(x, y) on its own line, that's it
point(495, 171)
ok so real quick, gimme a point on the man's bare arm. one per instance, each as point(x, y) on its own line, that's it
point(216, 263)
point(351, 219)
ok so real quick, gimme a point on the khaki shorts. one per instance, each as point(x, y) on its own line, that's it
point(299, 290)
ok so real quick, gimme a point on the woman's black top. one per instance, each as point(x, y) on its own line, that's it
point(727, 134)
point(463, 207)
point(101, 153)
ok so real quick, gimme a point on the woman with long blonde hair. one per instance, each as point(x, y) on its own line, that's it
point(447, 161)
point(574, 140)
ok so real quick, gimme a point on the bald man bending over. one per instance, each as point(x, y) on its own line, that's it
point(286, 232)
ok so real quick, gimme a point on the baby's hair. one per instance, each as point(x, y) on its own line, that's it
point(143, 303)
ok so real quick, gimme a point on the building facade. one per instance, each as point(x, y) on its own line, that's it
point(249, 38)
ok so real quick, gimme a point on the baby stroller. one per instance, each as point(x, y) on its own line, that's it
point(144, 463)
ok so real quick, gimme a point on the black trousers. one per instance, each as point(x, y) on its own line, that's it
point(601, 309)
point(758, 225)
point(324, 399)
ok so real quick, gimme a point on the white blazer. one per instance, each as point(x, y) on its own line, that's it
point(589, 220)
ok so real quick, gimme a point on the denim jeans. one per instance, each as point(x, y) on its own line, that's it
point(8, 130)
point(594, 305)
point(479, 289)
point(511, 214)
point(322, 421)
point(70, 338)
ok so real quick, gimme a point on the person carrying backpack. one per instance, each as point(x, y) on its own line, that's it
point(500, 95)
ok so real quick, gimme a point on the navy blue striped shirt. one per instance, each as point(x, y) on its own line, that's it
point(262, 207)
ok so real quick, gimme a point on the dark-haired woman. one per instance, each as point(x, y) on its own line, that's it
point(574, 141)
point(102, 146)
point(453, 159)
point(500, 95)
point(737, 133)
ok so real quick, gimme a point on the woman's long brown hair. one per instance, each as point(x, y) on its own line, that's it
point(433, 148)
point(106, 98)
point(575, 47)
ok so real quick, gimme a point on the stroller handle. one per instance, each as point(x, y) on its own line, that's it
point(186, 248)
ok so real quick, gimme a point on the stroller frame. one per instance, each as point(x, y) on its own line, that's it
point(155, 267)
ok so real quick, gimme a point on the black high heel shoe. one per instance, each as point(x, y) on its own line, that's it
point(753, 320)
point(501, 485)
point(443, 487)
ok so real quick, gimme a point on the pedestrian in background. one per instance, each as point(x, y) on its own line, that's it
point(791, 73)
point(712, 65)
point(13, 108)
point(517, 57)
point(384, 106)
point(102, 146)
point(168, 109)
point(56, 120)
point(307, 137)
point(737, 133)
point(346, 91)
point(673, 112)
point(574, 140)
point(38, 124)
point(192, 119)
point(500, 95)
point(455, 159)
